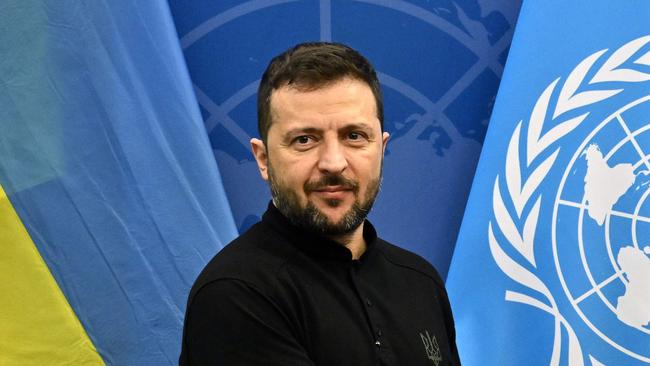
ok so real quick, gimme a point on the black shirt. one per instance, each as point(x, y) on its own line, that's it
point(278, 295)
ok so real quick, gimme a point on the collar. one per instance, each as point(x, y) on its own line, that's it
point(315, 244)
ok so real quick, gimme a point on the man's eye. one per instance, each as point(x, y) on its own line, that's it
point(356, 136)
point(302, 139)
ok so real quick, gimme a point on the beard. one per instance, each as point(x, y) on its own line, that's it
point(310, 218)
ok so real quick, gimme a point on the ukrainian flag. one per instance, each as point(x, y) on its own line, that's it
point(110, 198)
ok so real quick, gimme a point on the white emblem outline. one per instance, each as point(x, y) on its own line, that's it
point(521, 193)
point(431, 347)
point(574, 300)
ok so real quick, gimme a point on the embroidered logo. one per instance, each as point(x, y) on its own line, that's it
point(431, 347)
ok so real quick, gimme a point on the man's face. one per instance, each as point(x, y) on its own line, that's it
point(323, 155)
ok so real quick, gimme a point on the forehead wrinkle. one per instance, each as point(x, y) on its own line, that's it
point(362, 125)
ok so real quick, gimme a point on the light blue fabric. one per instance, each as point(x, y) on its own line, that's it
point(104, 155)
point(541, 274)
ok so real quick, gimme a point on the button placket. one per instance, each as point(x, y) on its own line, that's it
point(367, 308)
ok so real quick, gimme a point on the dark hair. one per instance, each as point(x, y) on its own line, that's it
point(309, 66)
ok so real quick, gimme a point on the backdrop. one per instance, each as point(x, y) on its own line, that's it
point(122, 174)
point(439, 63)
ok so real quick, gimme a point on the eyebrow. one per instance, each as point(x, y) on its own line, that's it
point(357, 126)
point(313, 130)
point(302, 130)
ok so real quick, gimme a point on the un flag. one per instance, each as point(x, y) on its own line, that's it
point(552, 265)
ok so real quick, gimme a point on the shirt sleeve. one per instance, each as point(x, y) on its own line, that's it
point(230, 323)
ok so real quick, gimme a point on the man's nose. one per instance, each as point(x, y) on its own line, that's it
point(332, 158)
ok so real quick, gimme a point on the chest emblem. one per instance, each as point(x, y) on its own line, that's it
point(431, 347)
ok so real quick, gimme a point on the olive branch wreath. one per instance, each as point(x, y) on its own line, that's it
point(521, 193)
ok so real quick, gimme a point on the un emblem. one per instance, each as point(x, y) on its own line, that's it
point(599, 216)
point(611, 228)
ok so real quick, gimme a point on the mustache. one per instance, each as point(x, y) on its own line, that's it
point(332, 180)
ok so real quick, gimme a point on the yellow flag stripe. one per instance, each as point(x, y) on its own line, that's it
point(37, 325)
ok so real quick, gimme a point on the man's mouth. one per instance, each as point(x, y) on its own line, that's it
point(332, 192)
point(331, 189)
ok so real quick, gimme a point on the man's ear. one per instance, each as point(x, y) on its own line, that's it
point(384, 142)
point(259, 151)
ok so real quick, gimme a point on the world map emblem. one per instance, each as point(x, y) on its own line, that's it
point(596, 213)
point(604, 266)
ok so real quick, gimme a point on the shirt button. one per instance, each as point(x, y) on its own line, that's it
point(368, 302)
point(378, 344)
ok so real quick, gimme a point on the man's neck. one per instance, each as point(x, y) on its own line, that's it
point(354, 241)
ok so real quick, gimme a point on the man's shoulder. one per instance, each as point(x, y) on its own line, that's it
point(409, 261)
point(253, 258)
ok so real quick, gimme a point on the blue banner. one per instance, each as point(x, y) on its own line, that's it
point(104, 156)
point(439, 63)
point(552, 264)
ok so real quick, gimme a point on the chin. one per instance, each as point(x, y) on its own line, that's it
point(335, 215)
point(334, 206)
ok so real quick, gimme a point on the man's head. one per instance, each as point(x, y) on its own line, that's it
point(320, 113)
point(310, 66)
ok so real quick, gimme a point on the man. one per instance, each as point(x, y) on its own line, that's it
point(311, 284)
